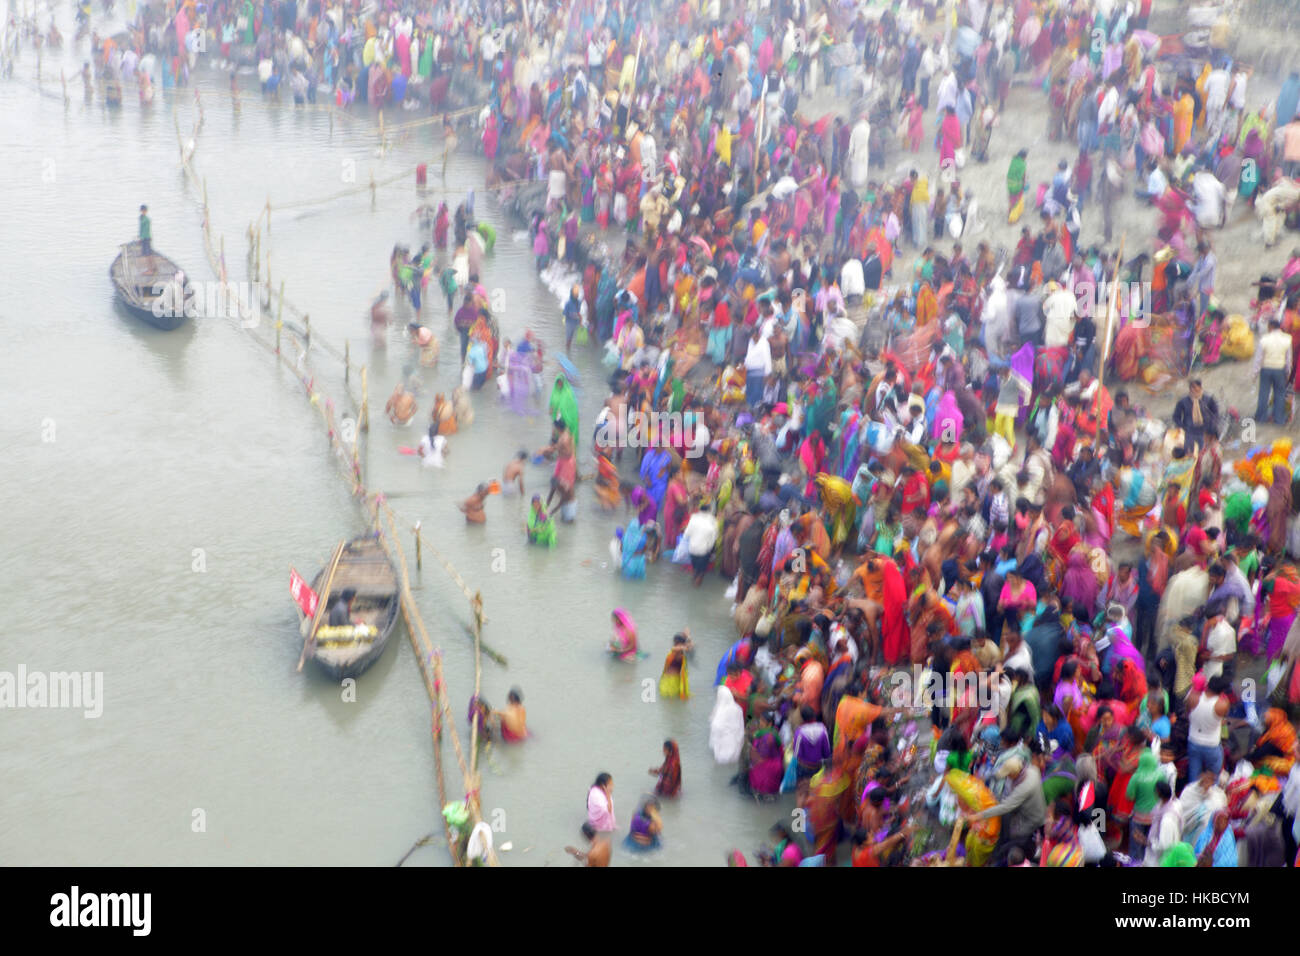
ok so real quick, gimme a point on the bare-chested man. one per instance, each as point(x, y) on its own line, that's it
point(401, 406)
point(514, 471)
point(598, 848)
point(473, 505)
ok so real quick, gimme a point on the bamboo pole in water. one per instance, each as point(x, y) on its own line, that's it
point(477, 606)
point(365, 402)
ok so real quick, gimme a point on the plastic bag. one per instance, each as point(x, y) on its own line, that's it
point(467, 375)
point(581, 337)
point(733, 589)
point(681, 554)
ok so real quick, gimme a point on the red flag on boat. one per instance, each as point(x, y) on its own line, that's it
point(302, 593)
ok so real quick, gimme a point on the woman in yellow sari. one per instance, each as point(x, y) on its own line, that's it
point(675, 681)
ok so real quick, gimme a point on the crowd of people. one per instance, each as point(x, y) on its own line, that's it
point(946, 494)
point(978, 596)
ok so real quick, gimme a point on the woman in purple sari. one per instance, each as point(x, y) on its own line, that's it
point(647, 510)
point(1022, 372)
point(766, 766)
point(519, 372)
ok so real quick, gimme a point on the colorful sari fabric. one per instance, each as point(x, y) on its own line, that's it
point(1283, 602)
point(564, 406)
point(675, 680)
point(766, 767)
point(826, 795)
point(541, 526)
point(670, 773)
point(623, 643)
point(634, 541)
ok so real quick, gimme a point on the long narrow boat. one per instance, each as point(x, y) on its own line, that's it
point(146, 285)
point(364, 567)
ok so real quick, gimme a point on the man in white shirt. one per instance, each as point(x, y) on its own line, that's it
point(758, 366)
point(1058, 309)
point(1157, 183)
point(1108, 108)
point(948, 90)
point(701, 534)
point(1274, 360)
point(1221, 642)
point(925, 72)
point(852, 282)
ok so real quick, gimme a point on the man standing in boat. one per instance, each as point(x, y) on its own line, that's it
point(146, 232)
point(341, 609)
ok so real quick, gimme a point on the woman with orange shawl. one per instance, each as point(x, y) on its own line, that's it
point(1275, 750)
point(812, 675)
point(1183, 115)
point(828, 791)
point(853, 719)
point(924, 608)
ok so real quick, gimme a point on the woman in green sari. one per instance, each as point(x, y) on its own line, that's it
point(1016, 186)
point(424, 43)
point(564, 406)
point(541, 526)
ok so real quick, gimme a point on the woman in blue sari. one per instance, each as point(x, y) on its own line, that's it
point(633, 551)
point(654, 473)
point(1217, 846)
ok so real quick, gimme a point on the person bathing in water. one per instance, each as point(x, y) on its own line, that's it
point(514, 719)
point(473, 505)
point(401, 406)
point(513, 473)
point(598, 848)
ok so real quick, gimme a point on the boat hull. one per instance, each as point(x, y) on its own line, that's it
point(141, 285)
point(364, 567)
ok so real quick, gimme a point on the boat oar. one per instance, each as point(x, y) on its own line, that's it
point(321, 604)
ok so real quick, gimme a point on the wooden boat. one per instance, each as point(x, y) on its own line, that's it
point(146, 286)
point(364, 567)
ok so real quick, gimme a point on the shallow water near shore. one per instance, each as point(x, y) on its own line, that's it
point(162, 484)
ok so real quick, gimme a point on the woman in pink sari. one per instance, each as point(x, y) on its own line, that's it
point(623, 643)
point(950, 138)
point(915, 124)
point(1079, 587)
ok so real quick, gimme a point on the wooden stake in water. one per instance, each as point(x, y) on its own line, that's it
point(64, 80)
point(419, 561)
point(373, 198)
point(306, 320)
point(347, 360)
point(365, 401)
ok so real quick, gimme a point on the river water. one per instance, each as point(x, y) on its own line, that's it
point(161, 485)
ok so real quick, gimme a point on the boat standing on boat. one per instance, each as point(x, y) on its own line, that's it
point(359, 578)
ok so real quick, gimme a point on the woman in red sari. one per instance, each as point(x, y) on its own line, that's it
point(669, 772)
point(676, 509)
point(1125, 762)
point(893, 631)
